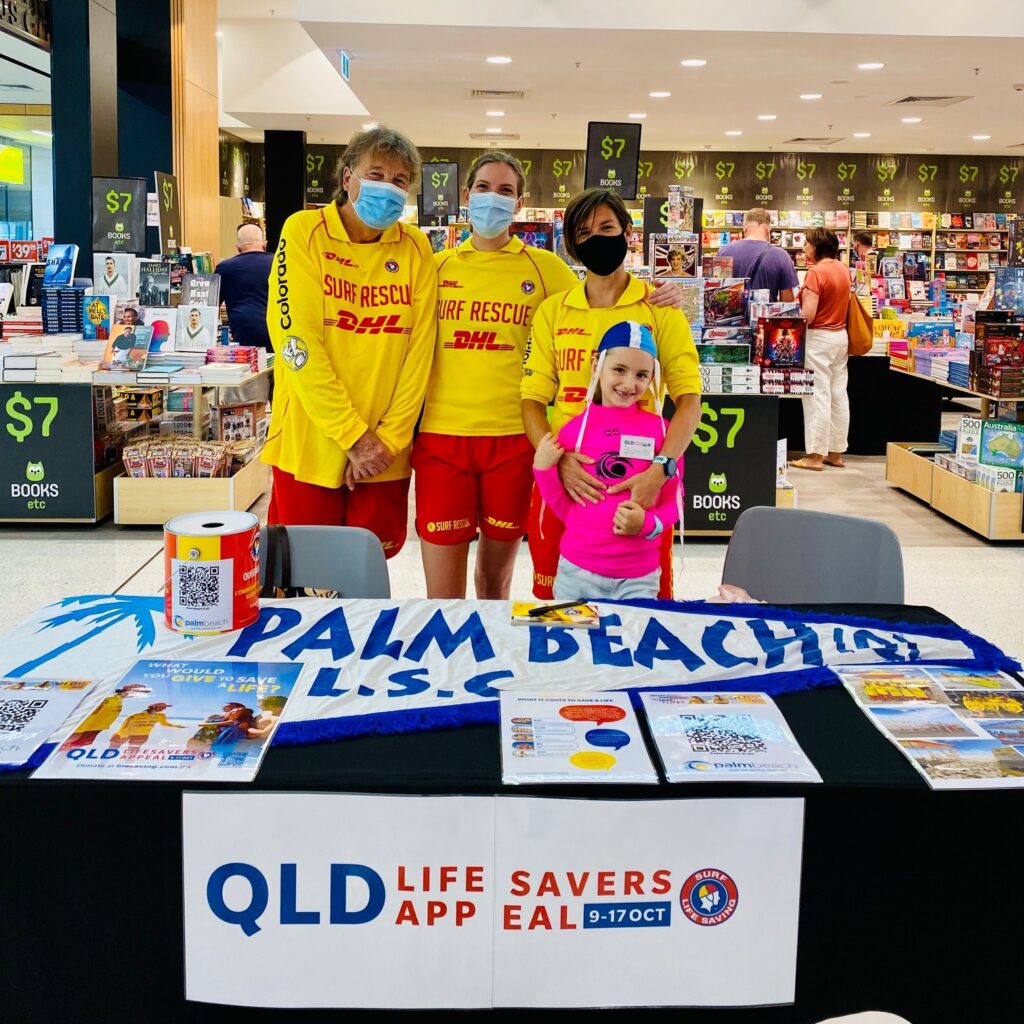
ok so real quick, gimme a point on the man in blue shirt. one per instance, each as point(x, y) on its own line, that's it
point(775, 271)
point(243, 287)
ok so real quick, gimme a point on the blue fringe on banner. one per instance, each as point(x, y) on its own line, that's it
point(985, 656)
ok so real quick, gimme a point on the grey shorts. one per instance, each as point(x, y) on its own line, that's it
point(575, 584)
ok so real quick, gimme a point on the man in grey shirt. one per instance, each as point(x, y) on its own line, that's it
point(755, 257)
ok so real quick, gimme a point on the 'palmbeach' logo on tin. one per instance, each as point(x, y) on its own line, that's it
point(709, 897)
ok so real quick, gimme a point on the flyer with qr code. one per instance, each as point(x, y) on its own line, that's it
point(724, 737)
point(207, 721)
point(31, 710)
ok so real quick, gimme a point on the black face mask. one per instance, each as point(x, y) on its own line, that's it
point(602, 254)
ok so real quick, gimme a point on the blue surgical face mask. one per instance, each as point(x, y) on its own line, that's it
point(491, 213)
point(379, 204)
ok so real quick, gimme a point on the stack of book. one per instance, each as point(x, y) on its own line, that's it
point(247, 355)
point(225, 373)
point(112, 377)
point(78, 371)
point(50, 367)
point(62, 309)
point(741, 379)
point(25, 324)
point(787, 380)
point(182, 359)
point(158, 374)
point(959, 373)
point(90, 351)
point(899, 353)
point(997, 362)
point(41, 367)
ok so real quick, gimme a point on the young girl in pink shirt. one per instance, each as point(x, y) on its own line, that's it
point(610, 549)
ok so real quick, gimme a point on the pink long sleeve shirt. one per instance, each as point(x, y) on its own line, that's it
point(589, 540)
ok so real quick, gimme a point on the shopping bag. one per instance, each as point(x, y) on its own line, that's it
point(860, 330)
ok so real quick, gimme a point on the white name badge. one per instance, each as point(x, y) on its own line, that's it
point(636, 447)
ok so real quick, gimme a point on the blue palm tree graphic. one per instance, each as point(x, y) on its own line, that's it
point(103, 611)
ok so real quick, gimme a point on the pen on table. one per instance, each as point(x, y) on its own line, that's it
point(543, 609)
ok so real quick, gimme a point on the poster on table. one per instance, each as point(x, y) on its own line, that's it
point(489, 901)
point(341, 889)
point(646, 903)
point(959, 729)
point(203, 721)
point(119, 215)
point(401, 665)
point(724, 737)
point(572, 738)
point(30, 711)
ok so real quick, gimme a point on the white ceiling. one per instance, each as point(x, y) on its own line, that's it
point(416, 77)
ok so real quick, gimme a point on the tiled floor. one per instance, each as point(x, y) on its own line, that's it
point(979, 584)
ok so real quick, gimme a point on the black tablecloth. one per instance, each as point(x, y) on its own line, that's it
point(899, 904)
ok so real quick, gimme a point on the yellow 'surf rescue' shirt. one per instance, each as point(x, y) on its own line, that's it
point(485, 302)
point(353, 331)
point(566, 332)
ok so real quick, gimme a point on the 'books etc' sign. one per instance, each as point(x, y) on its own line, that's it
point(119, 215)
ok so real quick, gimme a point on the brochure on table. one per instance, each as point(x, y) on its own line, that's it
point(959, 729)
point(724, 737)
point(31, 710)
point(571, 738)
point(207, 721)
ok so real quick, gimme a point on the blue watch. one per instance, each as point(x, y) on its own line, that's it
point(669, 465)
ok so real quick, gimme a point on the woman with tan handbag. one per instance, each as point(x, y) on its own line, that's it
point(825, 304)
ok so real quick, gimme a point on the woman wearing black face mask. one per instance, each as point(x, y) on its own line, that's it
point(563, 336)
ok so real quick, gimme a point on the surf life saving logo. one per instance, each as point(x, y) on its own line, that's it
point(295, 353)
point(528, 287)
point(391, 266)
point(709, 897)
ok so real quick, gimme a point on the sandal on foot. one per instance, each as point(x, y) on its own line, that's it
point(835, 465)
point(804, 464)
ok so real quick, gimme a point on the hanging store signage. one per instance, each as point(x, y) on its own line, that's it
point(119, 215)
point(613, 156)
point(168, 211)
point(439, 189)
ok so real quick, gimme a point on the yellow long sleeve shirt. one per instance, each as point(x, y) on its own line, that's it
point(566, 332)
point(353, 329)
point(485, 302)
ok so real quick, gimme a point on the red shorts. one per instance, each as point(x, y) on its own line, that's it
point(463, 483)
point(544, 551)
point(381, 508)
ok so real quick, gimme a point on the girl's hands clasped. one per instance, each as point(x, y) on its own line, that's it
point(629, 519)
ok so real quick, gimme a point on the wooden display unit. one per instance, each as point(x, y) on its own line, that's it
point(909, 471)
point(992, 515)
point(148, 501)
